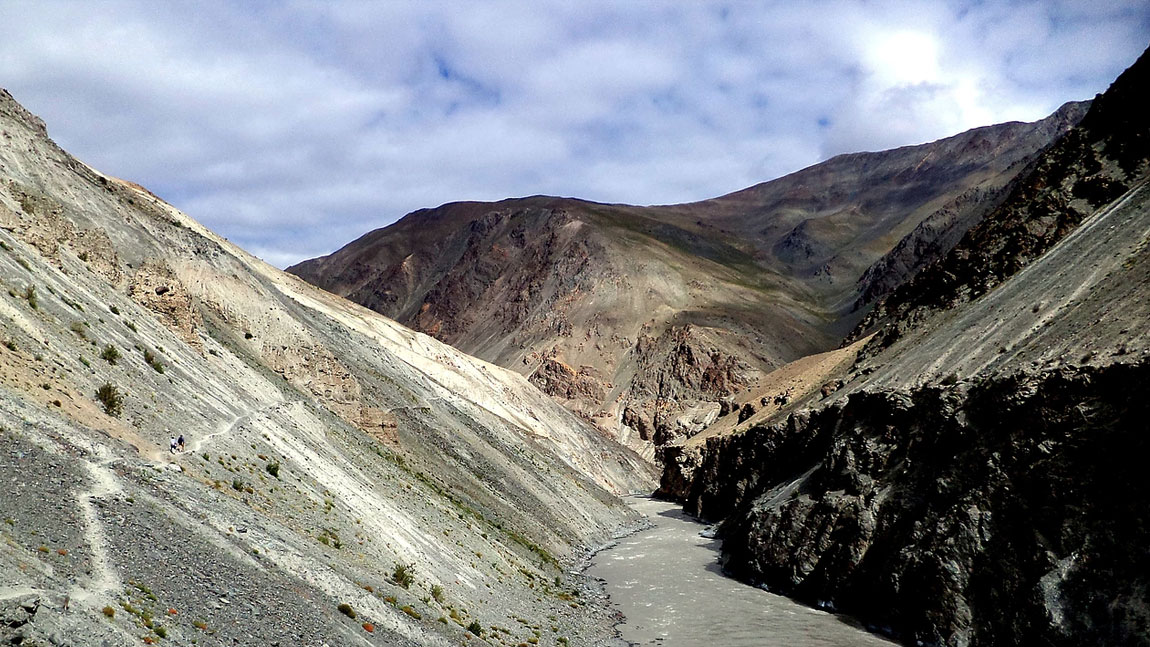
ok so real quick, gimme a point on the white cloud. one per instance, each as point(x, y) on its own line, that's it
point(292, 128)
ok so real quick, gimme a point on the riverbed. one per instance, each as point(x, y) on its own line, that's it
point(667, 582)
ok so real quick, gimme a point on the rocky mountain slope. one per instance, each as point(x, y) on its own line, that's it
point(646, 319)
point(347, 481)
point(974, 478)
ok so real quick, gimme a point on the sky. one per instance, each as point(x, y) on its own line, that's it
point(294, 127)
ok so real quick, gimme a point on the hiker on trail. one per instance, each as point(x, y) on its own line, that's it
point(181, 443)
point(172, 445)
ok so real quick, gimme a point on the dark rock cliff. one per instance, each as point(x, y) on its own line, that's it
point(1004, 512)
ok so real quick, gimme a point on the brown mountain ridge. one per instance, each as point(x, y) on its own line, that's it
point(646, 320)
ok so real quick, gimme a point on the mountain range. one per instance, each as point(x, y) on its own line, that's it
point(646, 319)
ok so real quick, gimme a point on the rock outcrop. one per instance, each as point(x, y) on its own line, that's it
point(1004, 512)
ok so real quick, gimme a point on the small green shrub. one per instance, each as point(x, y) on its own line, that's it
point(110, 612)
point(403, 575)
point(475, 628)
point(346, 610)
point(160, 631)
point(110, 354)
point(153, 361)
point(10, 345)
point(437, 593)
point(411, 612)
point(114, 310)
point(30, 295)
point(85, 362)
point(273, 469)
point(110, 397)
point(237, 485)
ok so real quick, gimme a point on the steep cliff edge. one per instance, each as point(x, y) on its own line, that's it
point(1005, 512)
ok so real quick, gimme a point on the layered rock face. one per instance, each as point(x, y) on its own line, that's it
point(662, 313)
point(1010, 511)
point(328, 446)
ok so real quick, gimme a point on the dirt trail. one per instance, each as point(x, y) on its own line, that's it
point(104, 577)
point(228, 426)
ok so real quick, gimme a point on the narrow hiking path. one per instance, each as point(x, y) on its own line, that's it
point(104, 482)
point(228, 426)
point(225, 427)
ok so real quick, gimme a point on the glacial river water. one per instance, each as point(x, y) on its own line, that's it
point(667, 582)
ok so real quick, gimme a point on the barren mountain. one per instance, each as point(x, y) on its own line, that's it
point(976, 477)
point(647, 319)
point(346, 480)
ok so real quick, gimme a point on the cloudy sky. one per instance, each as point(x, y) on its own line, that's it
point(294, 127)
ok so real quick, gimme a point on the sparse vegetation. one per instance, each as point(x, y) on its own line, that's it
point(85, 362)
point(131, 326)
point(110, 397)
point(346, 610)
point(475, 628)
point(403, 575)
point(437, 593)
point(110, 612)
point(10, 345)
point(30, 295)
point(110, 354)
point(153, 361)
point(79, 328)
point(273, 469)
point(114, 310)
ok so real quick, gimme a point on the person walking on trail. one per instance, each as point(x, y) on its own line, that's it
point(172, 444)
point(180, 442)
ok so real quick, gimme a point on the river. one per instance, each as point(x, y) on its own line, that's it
point(667, 582)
